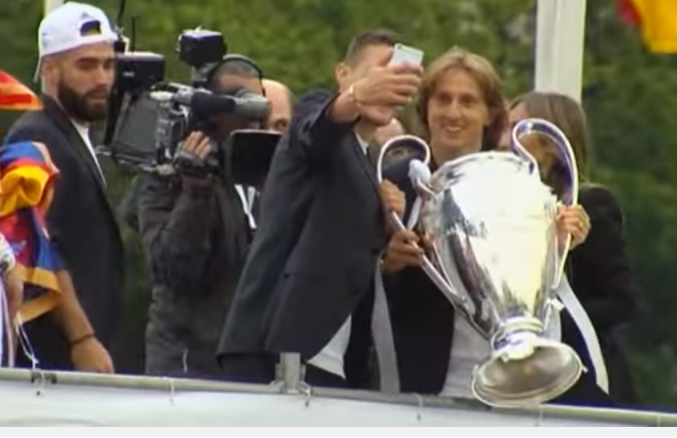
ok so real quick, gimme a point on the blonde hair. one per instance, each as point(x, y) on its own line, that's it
point(483, 72)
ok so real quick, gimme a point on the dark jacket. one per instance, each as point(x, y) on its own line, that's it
point(195, 237)
point(83, 225)
point(600, 274)
point(422, 318)
point(312, 262)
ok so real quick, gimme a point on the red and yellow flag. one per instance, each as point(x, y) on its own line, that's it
point(16, 96)
point(656, 19)
point(27, 178)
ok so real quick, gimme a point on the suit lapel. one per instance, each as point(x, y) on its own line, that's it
point(370, 173)
point(365, 165)
point(373, 152)
point(61, 119)
point(75, 139)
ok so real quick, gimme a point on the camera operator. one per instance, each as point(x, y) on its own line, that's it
point(196, 233)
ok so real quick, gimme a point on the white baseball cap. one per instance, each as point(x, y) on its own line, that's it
point(70, 26)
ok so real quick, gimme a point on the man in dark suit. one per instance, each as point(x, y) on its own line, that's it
point(306, 287)
point(77, 72)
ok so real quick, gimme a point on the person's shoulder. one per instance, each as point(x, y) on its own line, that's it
point(31, 120)
point(314, 95)
point(32, 126)
point(599, 200)
point(596, 194)
point(311, 100)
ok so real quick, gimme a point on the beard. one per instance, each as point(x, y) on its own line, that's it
point(80, 106)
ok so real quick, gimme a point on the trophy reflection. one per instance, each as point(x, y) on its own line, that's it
point(495, 253)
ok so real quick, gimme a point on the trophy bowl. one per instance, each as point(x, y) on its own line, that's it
point(494, 250)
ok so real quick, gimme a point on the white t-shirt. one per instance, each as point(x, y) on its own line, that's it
point(83, 130)
point(330, 358)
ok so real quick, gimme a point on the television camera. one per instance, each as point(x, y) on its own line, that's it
point(149, 117)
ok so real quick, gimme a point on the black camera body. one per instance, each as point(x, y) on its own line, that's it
point(150, 117)
point(202, 50)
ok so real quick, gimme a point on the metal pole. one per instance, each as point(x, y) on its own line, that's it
point(290, 372)
point(50, 5)
point(560, 39)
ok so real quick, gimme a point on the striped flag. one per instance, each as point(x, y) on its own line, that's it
point(656, 20)
point(16, 96)
point(27, 177)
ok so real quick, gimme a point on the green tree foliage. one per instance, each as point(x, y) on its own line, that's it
point(630, 99)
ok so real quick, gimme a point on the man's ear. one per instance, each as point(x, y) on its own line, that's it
point(49, 66)
point(342, 74)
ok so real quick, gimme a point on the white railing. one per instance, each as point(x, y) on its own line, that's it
point(68, 398)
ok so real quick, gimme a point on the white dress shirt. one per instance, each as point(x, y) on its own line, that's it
point(83, 130)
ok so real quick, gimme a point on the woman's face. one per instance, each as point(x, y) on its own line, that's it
point(534, 144)
point(457, 115)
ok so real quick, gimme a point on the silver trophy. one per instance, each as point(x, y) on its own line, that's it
point(493, 249)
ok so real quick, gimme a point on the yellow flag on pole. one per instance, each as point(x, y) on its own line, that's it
point(657, 21)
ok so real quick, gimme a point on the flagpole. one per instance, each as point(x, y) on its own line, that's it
point(560, 46)
point(50, 5)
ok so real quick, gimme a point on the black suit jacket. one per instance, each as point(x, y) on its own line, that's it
point(321, 230)
point(82, 225)
point(422, 318)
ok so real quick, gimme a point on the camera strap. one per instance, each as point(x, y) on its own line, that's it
point(247, 196)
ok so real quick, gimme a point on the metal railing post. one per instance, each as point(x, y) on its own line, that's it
point(290, 372)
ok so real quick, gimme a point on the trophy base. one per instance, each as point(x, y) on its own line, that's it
point(529, 372)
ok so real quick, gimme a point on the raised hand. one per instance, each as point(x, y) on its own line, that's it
point(389, 85)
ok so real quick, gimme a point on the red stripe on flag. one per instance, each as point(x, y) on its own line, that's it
point(16, 96)
point(20, 103)
point(629, 13)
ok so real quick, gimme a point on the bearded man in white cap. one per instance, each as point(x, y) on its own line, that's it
point(77, 70)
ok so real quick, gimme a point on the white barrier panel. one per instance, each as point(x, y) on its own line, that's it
point(76, 399)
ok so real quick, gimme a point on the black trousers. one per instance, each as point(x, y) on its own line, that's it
point(248, 368)
point(319, 377)
point(260, 368)
point(50, 346)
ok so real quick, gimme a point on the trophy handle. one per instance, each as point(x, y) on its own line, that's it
point(423, 154)
point(419, 173)
point(568, 159)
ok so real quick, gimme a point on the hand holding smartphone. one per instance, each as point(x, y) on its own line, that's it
point(403, 54)
point(390, 86)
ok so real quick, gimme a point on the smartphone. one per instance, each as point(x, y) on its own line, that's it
point(406, 55)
